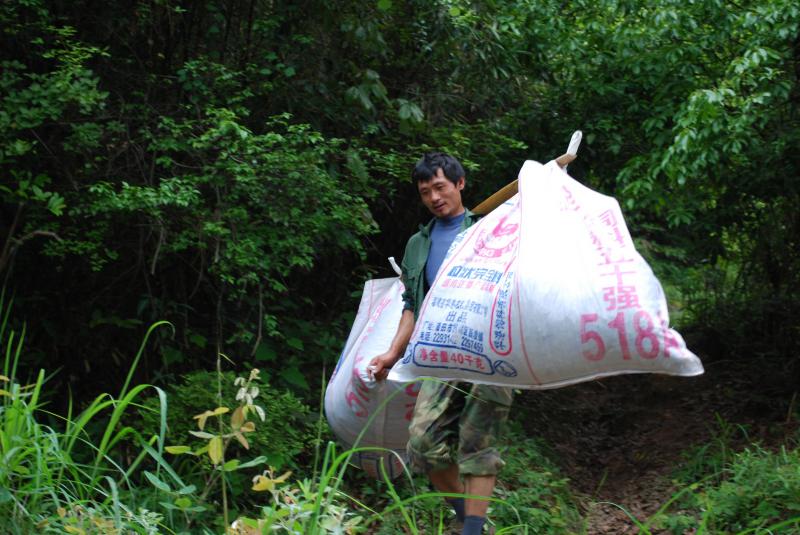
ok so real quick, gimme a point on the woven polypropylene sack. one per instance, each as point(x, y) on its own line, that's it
point(354, 402)
point(545, 291)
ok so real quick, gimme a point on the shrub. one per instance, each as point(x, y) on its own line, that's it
point(43, 487)
point(286, 438)
point(531, 486)
point(758, 491)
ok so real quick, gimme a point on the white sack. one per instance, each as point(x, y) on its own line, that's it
point(352, 397)
point(545, 291)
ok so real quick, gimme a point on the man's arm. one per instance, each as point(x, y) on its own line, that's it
point(380, 365)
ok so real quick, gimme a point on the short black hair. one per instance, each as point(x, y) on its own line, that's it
point(427, 167)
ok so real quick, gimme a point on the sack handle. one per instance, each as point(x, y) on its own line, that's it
point(572, 150)
point(509, 190)
point(395, 267)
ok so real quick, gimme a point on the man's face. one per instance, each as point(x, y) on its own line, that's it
point(440, 196)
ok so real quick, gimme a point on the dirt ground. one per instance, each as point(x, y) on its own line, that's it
point(619, 439)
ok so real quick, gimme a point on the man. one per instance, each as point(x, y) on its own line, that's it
point(453, 434)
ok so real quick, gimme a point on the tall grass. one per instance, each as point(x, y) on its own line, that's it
point(90, 472)
point(321, 505)
point(754, 491)
point(66, 477)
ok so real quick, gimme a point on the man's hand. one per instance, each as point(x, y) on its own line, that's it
point(379, 366)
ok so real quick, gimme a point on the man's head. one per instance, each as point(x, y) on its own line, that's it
point(440, 179)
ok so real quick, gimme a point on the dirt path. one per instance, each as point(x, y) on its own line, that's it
point(619, 439)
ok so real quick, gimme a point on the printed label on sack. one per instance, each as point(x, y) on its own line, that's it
point(618, 267)
point(471, 294)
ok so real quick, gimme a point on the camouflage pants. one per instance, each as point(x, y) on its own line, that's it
point(453, 427)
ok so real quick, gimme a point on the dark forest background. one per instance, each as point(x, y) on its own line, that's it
point(239, 168)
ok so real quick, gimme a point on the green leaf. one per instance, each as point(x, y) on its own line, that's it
point(187, 489)
point(56, 204)
point(296, 343)
point(404, 112)
point(172, 355)
point(157, 483)
point(363, 97)
point(384, 5)
point(265, 353)
point(294, 377)
point(198, 340)
point(356, 165)
point(201, 434)
point(231, 465)
point(183, 502)
point(215, 450)
point(195, 509)
point(178, 450)
point(261, 459)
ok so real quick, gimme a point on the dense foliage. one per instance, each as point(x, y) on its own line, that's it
point(286, 439)
point(228, 167)
point(239, 169)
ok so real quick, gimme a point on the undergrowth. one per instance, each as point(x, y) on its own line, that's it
point(724, 489)
point(70, 479)
point(531, 496)
point(91, 472)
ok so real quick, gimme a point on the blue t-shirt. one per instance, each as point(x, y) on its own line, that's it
point(444, 231)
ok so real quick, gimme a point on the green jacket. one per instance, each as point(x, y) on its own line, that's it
point(414, 260)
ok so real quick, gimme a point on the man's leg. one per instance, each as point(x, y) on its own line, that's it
point(484, 413)
point(449, 480)
point(478, 486)
point(433, 439)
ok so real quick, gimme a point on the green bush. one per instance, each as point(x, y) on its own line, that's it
point(708, 461)
point(531, 486)
point(286, 438)
point(758, 491)
point(44, 488)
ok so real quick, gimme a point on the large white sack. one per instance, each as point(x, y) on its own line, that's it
point(545, 291)
point(352, 397)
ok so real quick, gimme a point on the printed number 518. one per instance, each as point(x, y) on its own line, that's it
point(646, 340)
